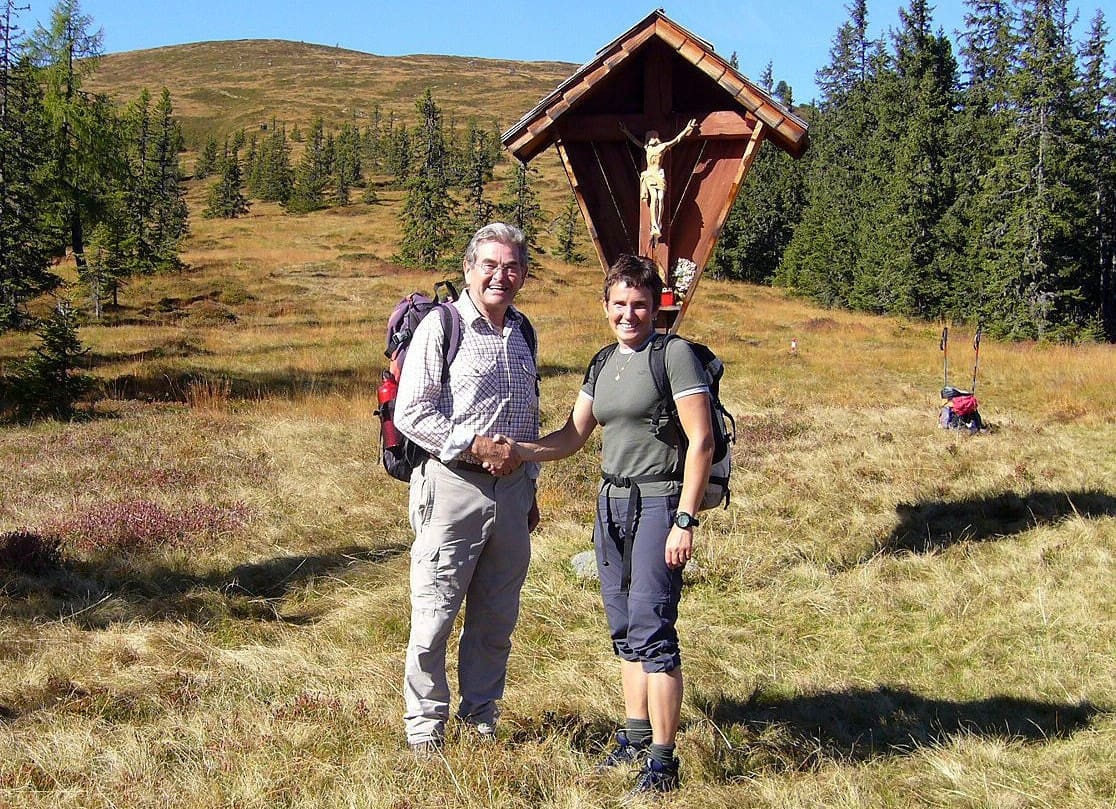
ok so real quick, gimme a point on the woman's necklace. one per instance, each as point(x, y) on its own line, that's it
point(624, 367)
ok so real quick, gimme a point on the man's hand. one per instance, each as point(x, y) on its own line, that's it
point(496, 456)
point(502, 444)
point(533, 516)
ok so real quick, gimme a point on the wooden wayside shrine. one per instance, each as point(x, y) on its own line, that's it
point(657, 77)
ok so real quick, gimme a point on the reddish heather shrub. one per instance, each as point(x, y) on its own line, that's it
point(142, 525)
point(26, 552)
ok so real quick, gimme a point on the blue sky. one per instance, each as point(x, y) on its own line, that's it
point(795, 35)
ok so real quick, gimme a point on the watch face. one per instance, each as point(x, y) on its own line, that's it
point(684, 520)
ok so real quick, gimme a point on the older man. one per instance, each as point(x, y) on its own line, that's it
point(472, 527)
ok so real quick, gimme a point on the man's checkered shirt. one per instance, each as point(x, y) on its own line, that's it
point(493, 385)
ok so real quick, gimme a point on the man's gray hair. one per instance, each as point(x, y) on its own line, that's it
point(498, 232)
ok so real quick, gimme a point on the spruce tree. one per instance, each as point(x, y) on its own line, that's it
point(482, 155)
point(909, 169)
point(347, 168)
point(762, 220)
point(273, 177)
point(983, 134)
point(820, 259)
point(401, 153)
point(226, 198)
point(568, 224)
point(520, 204)
point(371, 142)
point(170, 216)
point(1098, 99)
point(48, 383)
point(207, 158)
point(428, 220)
point(312, 175)
point(1032, 277)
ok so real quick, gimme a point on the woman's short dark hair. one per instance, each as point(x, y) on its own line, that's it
point(636, 272)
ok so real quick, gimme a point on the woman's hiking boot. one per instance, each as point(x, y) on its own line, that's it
point(624, 754)
point(654, 778)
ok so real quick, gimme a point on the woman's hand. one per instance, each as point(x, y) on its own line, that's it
point(515, 456)
point(679, 547)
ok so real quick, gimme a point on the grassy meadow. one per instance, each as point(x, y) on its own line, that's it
point(887, 615)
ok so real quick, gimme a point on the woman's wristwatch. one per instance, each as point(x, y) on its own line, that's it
point(684, 520)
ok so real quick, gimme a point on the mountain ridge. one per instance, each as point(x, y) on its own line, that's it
point(219, 86)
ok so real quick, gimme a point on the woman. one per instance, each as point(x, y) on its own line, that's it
point(644, 533)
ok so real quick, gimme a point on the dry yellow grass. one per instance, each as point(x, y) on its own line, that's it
point(887, 615)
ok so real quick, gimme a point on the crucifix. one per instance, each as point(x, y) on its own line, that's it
point(663, 199)
point(652, 180)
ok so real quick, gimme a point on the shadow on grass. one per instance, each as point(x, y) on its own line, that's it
point(804, 731)
point(935, 525)
point(97, 594)
point(182, 385)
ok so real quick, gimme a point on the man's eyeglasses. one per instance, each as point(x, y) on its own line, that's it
point(490, 268)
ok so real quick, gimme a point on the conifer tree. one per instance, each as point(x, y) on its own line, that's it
point(347, 168)
point(824, 250)
point(482, 155)
point(48, 382)
point(80, 123)
point(312, 175)
point(371, 141)
point(428, 221)
point(226, 198)
point(1098, 98)
point(147, 196)
point(24, 270)
point(520, 204)
point(568, 223)
point(170, 216)
point(909, 169)
point(273, 176)
point(207, 158)
point(760, 225)
point(400, 153)
point(1031, 273)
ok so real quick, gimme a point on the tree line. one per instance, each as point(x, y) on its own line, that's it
point(445, 169)
point(976, 186)
point(79, 174)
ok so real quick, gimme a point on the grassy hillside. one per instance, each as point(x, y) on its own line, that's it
point(888, 615)
point(219, 87)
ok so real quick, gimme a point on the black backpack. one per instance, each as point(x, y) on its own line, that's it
point(667, 427)
point(399, 454)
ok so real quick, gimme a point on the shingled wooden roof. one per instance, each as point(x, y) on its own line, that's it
point(537, 129)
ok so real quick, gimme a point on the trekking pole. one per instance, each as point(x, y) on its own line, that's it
point(976, 353)
point(943, 346)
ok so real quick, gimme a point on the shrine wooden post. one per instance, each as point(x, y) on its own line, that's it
point(657, 76)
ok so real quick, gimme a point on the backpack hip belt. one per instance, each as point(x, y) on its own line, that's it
point(631, 522)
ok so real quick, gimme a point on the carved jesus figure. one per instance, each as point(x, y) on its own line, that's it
point(652, 180)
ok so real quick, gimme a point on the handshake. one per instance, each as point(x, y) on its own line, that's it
point(499, 455)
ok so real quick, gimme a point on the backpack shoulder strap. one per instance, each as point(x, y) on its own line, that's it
point(529, 335)
point(657, 361)
point(593, 370)
point(451, 335)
